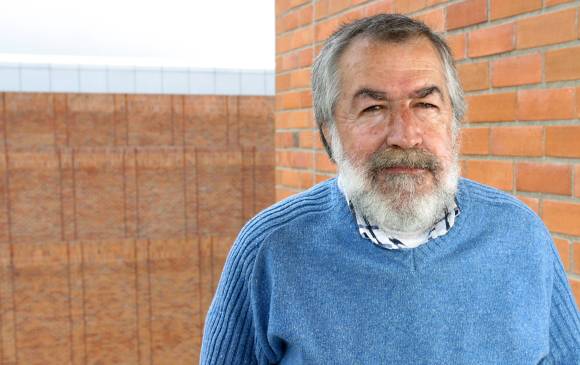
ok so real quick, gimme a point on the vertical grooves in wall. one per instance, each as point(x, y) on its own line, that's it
point(149, 296)
point(136, 283)
point(125, 197)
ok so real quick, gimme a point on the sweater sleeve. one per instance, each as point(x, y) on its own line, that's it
point(229, 330)
point(564, 321)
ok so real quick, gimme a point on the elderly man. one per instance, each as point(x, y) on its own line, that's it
point(398, 261)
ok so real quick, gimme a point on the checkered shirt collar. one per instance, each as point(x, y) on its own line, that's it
point(399, 240)
point(393, 240)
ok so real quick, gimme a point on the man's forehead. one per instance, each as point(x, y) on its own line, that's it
point(416, 52)
point(408, 65)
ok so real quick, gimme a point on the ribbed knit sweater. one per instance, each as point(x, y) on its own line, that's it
point(301, 286)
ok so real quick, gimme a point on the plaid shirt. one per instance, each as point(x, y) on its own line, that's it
point(394, 240)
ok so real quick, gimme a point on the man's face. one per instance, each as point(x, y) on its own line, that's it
point(393, 123)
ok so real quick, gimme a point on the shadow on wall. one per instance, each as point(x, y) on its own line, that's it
point(116, 215)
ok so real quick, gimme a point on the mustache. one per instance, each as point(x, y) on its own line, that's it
point(409, 158)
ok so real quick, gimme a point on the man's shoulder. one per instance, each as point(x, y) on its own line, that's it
point(287, 212)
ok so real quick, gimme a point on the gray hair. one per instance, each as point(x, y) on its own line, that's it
point(393, 28)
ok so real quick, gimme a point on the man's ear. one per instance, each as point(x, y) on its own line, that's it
point(324, 132)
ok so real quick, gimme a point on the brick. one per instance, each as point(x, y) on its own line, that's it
point(457, 45)
point(474, 76)
point(575, 286)
point(323, 163)
point(217, 177)
point(306, 99)
point(205, 120)
point(300, 79)
point(305, 57)
point(293, 100)
point(35, 197)
point(435, 19)
point(474, 141)
point(90, 120)
point(351, 15)
point(285, 139)
point(502, 8)
point(295, 19)
point(321, 178)
point(98, 218)
point(562, 64)
point(321, 9)
point(295, 39)
point(283, 43)
point(434, 2)
point(283, 193)
point(294, 159)
point(317, 143)
point(295, 178)
point(491, 107)
point(28, 120)
point(576, 257)
point(377, 7)
point(149, 119)
point(532, 203)
point(294, 119)
point(577, 181)
point(286, 62)
point(325, 28)
point(515, 71)
point(562, 141)
point(408, 6)
point(286, 22)
point(295, 59)
point(488, 41)
point(562, 217)
point(466, 13)
point(547, 29)
point(546, 104)
point(544, 178)
point(282, 82)
point(578, 102)
point(548, 3)
point(517, 141)
point(563, 247)
point(283, 6)
point(307, 139)
point(324, 8)
point(495, 173)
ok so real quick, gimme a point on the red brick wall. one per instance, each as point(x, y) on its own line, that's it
point(519, 62)
point(116, 215)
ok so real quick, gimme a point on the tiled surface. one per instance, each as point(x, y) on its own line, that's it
point(116, 216)
point(16, 77)
point(132, 301)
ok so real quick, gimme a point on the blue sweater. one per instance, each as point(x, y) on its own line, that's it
point(301, 286)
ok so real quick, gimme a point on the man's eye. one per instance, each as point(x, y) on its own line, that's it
point(426, 105)
point(372, 109)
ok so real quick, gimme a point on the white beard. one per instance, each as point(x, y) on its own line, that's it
point(398, 206)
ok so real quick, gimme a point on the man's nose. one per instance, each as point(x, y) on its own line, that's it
point(403, 130)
